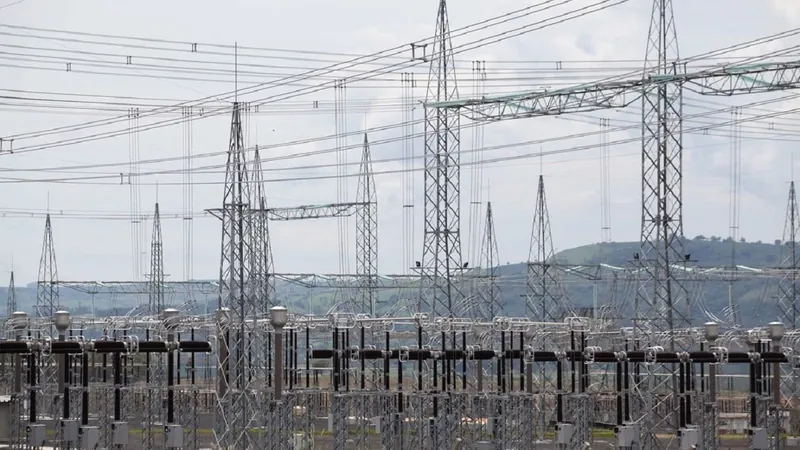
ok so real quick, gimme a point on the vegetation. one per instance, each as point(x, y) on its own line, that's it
point(755, 297)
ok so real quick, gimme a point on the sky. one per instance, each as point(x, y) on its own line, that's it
point(34, 63)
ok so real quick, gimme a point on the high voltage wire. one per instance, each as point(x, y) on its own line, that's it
point(83, 180)
point(604, 4)
point(337, 66)
point(690, 118)
point(710, 53)
point(222, 110)
point(38, 213)
point(62, 61)
point(198, 45)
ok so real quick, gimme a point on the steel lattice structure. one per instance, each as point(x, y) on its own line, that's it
point(441, 251)
point(790, 259)
point(366, 236)
point(11, 304)
point(448, 338)
point(46, 290)
point(157, 298)
point(545, 300)
point(262, 264)
point(491, 302)
point(237, 409)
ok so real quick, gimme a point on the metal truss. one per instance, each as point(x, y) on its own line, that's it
point(546, 297)
point(156, 281)
point(327, 280)
point(661, 299)
point(441, 252)
point(790, 260)
point(491, 303)
point(722, 81)
point(315, 211)
point(171, 288)
point(236, 412)
point(261, 261)
point(11, 303)
point(366, 236)
point(47, 302)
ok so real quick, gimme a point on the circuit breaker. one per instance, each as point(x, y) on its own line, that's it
point(69, 429)
point(90, 437)
point(174, 435)
point(119, 433)
point(564, 433)
point(36, 434)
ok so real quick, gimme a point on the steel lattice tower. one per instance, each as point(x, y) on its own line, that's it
point(156, 282)
point(545, 299)
point(441, 253)
point(262, 264)
point(154, 391)
point(491, 302)
point(662, 298)
point(12, 296)
point(661, 304)
point(787, 292)
point(47, 303)
point(787, 286)
point(262, 280)
point(366, 235)
point(237, 410)
point(47, 288)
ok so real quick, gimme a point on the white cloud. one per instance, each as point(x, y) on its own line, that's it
point(88, 249)
point(790, 9)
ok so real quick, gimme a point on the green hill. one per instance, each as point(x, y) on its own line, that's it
point(754, 297)
point(705, 252)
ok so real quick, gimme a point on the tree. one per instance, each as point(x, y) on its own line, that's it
point(777, 242)
point(742, 240)
point(715, 238)
point(699, 237)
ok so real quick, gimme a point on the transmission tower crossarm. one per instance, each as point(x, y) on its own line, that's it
point(750, 79)
point(315, 211)
point(730, 80)
point(321, 280)
point(138, 287)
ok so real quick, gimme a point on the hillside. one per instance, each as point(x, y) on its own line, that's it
point(754, 296)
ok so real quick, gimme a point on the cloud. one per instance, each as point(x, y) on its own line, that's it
point(610, 42)
point(789, 8)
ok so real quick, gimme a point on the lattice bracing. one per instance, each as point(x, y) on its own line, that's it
point(366, 236)
point(491, 303)
point(441, 253)
point(545, 300)
point(790, 259)
point(237, 412)
point(11, 304)
point(47, 302)
point(156, 281)
point(662, 300)
point(261, 260)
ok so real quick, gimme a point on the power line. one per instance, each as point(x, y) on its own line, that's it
point(604, 4)
point(83, 180)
